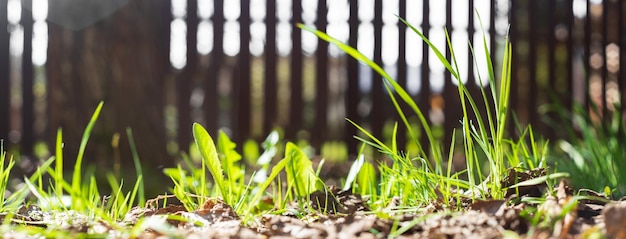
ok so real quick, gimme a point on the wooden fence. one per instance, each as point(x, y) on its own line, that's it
point(571, 51)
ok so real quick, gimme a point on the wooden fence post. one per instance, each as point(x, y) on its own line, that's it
point(271, 62)
point(210, 106)
point(353, 93)
point(321, 83)
point(296, 101)
point(186, 77)
point(4, 74)
point(242, 77)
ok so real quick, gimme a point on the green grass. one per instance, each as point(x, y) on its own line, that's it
point(593, 152)
point(424, 177)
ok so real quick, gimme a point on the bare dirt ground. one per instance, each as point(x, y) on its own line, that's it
point(341, 214)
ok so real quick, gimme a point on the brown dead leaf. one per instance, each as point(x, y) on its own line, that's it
point(615, 219)
point(488, 206)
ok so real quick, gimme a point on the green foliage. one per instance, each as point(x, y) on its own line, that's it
point(76, 191)
point(210, 160)
point(5, 170)
point(83, 195)
point(417, 178)
point(593, 152)
point(366, 180)
point(300, 172)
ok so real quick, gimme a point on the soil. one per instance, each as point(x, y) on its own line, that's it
point(341, 214)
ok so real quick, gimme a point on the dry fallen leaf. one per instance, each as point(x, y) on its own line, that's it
point(615, 219)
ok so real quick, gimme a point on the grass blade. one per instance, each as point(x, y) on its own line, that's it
point(140, 186)
point(76, 179)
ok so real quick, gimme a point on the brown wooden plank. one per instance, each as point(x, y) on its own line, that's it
point(423, 97)
point(210, 106)
point(185, 78)
point(28, 118)
point(270, 106)
point(587, 52)
point(296, 103)
point(622, 53)
point(451, 105)
point(4, 73)
point(242, 77)
point(353, 94)
point(513, 34)
point(568, 103)
point(533, 39)
point(321, 82)
point(402, 72)
point(378, 115)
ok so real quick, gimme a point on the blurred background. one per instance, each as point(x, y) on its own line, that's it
point(242, 66)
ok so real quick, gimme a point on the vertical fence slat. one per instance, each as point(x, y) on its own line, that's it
point(603, 70)
point(470, 34)
point(185, 78)
point(548, 132)
point(622, 54)
point(242, 76)
point(4, 73)
point(450, 107)
point(295, 99)
point(492, 31)
point(569, 98)
point(402, 68)
point(210, 105)
point(513, 34)
point(270, 82)
point(532, 37)
point(551, 45)
point(377, 115)
point(587, 53)
point(28, 118)
point(321, 82)
point(353, 95)
point(424, 92)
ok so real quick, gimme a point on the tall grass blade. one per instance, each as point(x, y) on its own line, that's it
point(388, 80)
point(139, 184)
point(77, 175)
point(58, 170)
point(5, 172)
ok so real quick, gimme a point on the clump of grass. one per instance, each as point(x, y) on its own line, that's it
point(81, 194)
point(5, 171)
point(593, 151)
point(425, 177)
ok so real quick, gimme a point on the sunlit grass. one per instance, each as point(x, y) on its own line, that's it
point(424, 177)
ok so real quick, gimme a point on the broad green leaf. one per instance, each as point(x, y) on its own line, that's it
point(300, 171)
point(366, 179)
point(251, 151)
point(207, 149)
point(354, 171)
point(230, 156)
